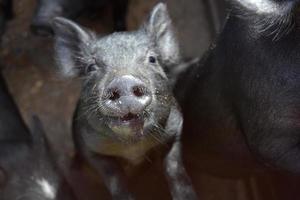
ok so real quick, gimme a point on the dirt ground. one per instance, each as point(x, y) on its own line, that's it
point(29, 69)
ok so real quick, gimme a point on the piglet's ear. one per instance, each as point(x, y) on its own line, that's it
point(160, 28)
point(73, 47)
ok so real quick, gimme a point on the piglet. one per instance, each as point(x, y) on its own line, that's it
point(126, 108)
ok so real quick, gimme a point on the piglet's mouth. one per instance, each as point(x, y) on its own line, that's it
point(129, 125)
point(130, 120)
point(130, 117)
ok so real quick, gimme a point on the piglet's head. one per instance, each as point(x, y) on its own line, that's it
point(124, 73)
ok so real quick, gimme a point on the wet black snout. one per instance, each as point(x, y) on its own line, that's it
point(127, 94)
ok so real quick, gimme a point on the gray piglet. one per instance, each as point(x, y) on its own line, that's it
point(126, 108)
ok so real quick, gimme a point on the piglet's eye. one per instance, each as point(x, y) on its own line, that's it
point(90, 68)
point(152, 59)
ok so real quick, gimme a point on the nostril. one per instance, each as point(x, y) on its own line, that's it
point(139, 91)
point(113, 94)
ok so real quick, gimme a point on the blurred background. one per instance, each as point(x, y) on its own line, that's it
point(29, 69)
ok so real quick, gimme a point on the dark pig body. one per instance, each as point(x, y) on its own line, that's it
point(126, 108)
point(27, 169)
point(242, 101)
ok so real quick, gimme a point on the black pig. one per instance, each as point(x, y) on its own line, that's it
point(245, 94)
point(126, 107)
point(27, 169)
point(47, 10)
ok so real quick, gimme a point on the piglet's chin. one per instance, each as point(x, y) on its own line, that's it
point(128, 129)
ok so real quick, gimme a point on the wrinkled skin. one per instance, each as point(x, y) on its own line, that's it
point(245, 102)
point(108, 127)
point(47, 10)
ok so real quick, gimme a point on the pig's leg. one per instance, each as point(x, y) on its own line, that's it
point(178, 180)
point(177, 177)
point(112, 175)
point(119, 14)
